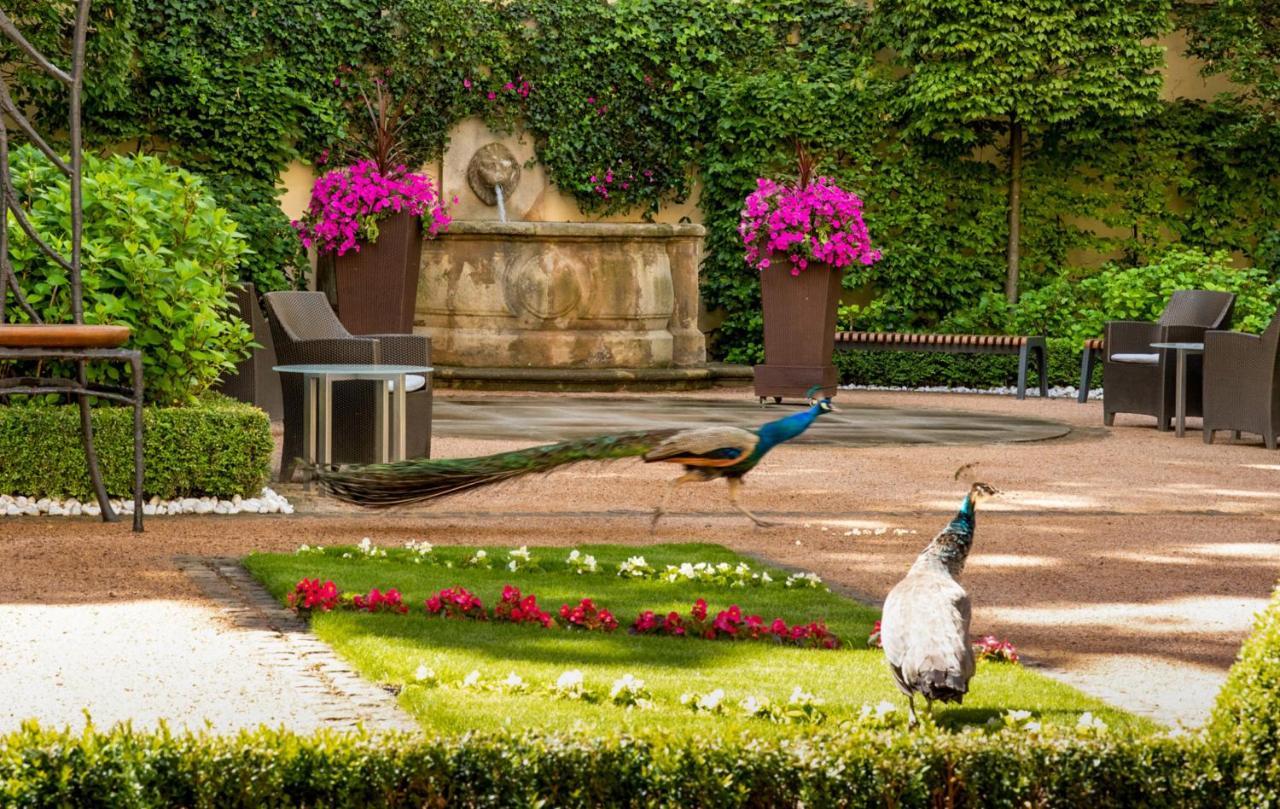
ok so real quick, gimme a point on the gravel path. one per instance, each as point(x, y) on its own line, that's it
point(1124, 561)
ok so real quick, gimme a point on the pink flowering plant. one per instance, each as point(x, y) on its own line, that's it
point(456, 602)
point(811, 221)
point(347, 204)
point(377, 601)
point(989, 647)
point(310, 594)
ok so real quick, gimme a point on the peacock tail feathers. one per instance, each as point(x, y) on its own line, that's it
point(421, 479)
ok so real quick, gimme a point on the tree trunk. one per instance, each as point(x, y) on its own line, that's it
point(1015, 209)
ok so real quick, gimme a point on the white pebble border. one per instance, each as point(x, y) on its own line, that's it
point(266, 503)
point(1056, 392)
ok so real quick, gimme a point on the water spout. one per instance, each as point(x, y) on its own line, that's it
point(502, 204)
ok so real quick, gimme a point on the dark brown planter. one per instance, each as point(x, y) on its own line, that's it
point(799, 330)
point(378, 285)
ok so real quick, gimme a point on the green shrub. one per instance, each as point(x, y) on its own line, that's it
point(1078, 308)
point(854, 768)
point(158, 254)
point(1247, 713)
point(218, 447)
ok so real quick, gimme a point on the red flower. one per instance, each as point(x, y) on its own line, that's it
point(700, 610)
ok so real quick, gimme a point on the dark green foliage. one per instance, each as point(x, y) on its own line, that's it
point(217, 447)
point(856, 768)
point(419, 479)
point(719, 91)
point(1247, 714)
point(157, 256)
point(1239, 38)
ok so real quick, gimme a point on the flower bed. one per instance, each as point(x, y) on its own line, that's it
point(456, 674)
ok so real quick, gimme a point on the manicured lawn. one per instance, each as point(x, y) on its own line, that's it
point(390, 648)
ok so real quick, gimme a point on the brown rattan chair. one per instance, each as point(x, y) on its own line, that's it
point(1242, 383)
point(306, 331)
point(253, 380)
point(1140, 379)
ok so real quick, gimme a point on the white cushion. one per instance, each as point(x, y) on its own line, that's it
point(412, 382)
point(1145, 359)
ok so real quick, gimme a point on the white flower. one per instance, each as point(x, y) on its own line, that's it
point(636, 567)
point(424, 675)
point(1033, 727)
point(803, 580)
point(514, 682)
point(513, 565)
point(711, 702)
point(569, 680)
point(521, 553)
point(580, 562)
point(368, 549)
point(630, 692)
point(420, 550)
point(471, 680)
point(1089, 722)
point(481, 554)
point(885, 708)
point(765, 578)
point(570, 686)
point(801, 697)
point(755, 706)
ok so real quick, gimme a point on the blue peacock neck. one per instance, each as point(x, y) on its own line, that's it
point(785, 429)
point(952, 546)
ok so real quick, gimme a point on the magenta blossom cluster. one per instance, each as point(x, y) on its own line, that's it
point(819, 223)
point(347, 203)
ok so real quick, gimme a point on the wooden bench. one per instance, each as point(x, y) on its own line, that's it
point(1023, 346)
point(1090, 353)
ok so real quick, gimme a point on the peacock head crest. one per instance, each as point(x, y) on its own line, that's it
point(824, 404)
point(982, 491)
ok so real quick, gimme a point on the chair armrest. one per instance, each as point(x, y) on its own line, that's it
point(1182, 334)
point(1130, 337)
point(1229, 354)
point(404, 349)
point(337, 350)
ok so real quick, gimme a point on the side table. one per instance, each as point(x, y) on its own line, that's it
point(317, 407)
point(1183, 349)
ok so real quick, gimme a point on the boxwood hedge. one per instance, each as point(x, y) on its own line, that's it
point(218, 447)
point(913, 370)
point(1233, 763)
point(856, 768)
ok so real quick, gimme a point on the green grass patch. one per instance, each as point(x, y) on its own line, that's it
point(389, 649)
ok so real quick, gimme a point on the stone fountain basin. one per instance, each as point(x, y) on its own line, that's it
point(562, 295)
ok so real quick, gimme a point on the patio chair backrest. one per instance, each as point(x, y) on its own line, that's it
point(1199, 307)
point(305, 315)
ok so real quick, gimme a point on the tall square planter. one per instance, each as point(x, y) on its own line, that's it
point(377, 286)
point(799, 330)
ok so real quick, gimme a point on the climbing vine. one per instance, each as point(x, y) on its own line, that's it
point(635, 104)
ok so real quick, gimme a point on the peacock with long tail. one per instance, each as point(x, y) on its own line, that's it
point(707, 453)
point(925, 624)
point(728, 452)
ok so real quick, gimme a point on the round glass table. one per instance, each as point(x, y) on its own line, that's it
point(317, 407)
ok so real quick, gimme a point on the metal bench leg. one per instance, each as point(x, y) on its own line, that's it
point(1043, 351)
point(1022, 370)
point(90, 452)
point(1087, 358)
point(135, 364)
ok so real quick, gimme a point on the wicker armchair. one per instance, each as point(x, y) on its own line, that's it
point(254, 381)
point(1140, 379)
point(306, 331)
point(1242, 383)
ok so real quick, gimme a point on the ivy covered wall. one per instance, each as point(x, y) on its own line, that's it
point(630, 102)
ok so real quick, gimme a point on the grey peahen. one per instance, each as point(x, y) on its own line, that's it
point(925, 625)
point(727, 452)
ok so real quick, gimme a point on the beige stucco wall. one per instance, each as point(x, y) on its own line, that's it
point(538, 200)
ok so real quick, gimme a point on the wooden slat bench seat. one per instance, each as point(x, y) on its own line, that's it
point(1022, 346)
point(1090, 353)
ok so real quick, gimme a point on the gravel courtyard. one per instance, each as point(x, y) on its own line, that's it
point(1125, 561)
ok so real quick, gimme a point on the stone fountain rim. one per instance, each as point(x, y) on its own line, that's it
point(571, 230)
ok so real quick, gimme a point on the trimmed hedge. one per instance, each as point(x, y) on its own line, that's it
point(1247, 713)
point(853, 768)
point(218, 447)
point(1235, 764)
point(914, 370)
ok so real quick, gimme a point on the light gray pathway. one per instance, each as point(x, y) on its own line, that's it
point(239, 661)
